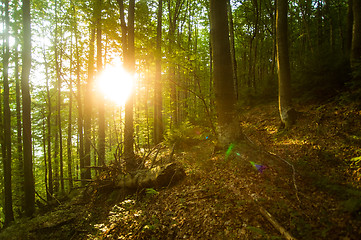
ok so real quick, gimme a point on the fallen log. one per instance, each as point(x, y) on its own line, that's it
point(159, 176)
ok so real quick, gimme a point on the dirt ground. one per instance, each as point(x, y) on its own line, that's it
point(308, 180)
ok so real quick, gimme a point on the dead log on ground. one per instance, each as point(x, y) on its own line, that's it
point(159, 176)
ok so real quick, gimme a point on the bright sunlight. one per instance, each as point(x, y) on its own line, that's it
point(115, 83)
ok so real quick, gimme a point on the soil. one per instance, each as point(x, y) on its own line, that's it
point(307, 178)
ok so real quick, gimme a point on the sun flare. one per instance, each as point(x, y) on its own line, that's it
point(115, 83)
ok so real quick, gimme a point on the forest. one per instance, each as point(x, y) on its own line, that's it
point(180, 119)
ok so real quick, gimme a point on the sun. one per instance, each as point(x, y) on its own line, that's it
point(115, 83)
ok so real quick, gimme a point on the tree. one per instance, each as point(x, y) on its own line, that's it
point(228, 125)
point(356, 33)
point(101, 143)
point(88, 106)
point(59, 133)
point(29, 185)
point(287, 113)
point(130, 66)
point(7, 158)
point(173, 15)
point(158, 119)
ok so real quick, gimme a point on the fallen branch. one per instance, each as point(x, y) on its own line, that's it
point(284, 160)
point(275, 224)
point(160, 176)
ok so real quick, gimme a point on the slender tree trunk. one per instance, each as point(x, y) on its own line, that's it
point(88, 106)
point(50, 191)
point(7, 156)
point(29, 185)
point(356, 34)
point(233, 50)
point(173, 16)
point(101, 140)
point(19, 142)
point(79, 101)
point(48, 119)
point(349, 27)
point(69, 144)
point(130, 66)
point(228, 125)
point(287, 113)
point(158, 119)
point(44, 151)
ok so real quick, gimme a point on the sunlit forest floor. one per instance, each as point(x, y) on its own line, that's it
point(310, 184)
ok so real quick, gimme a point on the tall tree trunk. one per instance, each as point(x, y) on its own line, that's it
point(79, 101)
point(48, 118)
point(130, 66)
point(19, 142)
point(44, 151)
point(356, 33)
point(49, 193)
point(101, 143)
point(58, 59)
point(173, 18)
point(348, 39)
point(233, 50)
point(29, 185)
point(158, 119)
point(69, 144)
point(228, 125)
point(88, 106)
point(8, 204)
point(287, 113)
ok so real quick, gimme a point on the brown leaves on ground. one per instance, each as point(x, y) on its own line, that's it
point(309, 185)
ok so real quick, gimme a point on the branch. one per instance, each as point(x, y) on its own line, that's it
point(275, 155)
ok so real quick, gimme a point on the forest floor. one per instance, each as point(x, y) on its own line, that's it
point(310, 185)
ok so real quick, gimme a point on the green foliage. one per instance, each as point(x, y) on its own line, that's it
point(186, 134)
point(321, 76)
point(151, 192)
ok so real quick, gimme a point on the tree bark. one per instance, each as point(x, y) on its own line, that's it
point(356, 33)
point(49, 193)
point(173, 18)
point(101, 140)
point(158, 119)
point(79, 87)
point(233, 50)
point(228, 125)
point(7, 156)
point(348, 38)
point(29, 185)
point(19, 142)
point(160, 176)
point(130, 66)
point(88, 105)
point(287, 113)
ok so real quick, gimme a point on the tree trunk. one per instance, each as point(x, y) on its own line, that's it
point(287, 113)
point(348, 38)
point(29, 185)
point(173, 18)
point(6, 157)
point(79, 88)
point(130, 66)
point(20, 164)
point(228, 125)
point(233, 50)
point(158, 119)
point(160, 176)
point(356, 33)
point(49, 193)
point(69, 144)
point(101, 140)
point(88, 104)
